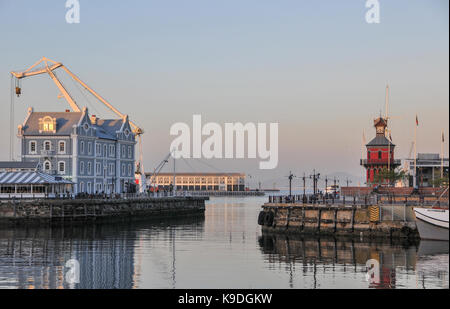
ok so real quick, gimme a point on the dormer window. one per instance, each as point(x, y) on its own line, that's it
point(47, 124)
point(127, 132)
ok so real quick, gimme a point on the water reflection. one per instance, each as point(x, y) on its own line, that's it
point(110, 256)
point(307, 255)
point(223, 249)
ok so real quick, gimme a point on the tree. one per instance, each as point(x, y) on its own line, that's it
point(440, 182)
point(389, 177)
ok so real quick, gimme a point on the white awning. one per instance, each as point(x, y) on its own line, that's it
point(23, 178)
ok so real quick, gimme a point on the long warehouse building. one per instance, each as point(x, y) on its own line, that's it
point(198, 181)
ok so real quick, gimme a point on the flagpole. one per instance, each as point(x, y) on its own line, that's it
point(442, 154)
point(415, 156)
point(388, 131)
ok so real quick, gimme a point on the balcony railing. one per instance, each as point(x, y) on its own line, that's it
point(48, 153)
point(379, 161)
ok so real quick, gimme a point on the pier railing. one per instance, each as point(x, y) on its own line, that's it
point(377, 199)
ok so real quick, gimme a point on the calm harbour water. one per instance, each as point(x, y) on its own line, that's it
point(225, 249)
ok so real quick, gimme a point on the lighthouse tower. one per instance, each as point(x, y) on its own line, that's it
point(380, 152)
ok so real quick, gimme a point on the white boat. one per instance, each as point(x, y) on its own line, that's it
point(432, 223)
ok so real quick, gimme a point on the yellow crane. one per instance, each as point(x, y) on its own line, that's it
point(48, 67)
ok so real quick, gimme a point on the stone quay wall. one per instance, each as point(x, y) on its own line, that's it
point(48, 211)
point(354, 220)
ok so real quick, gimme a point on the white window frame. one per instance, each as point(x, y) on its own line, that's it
point(105, 150)
point(59, 147)
point(82, 147)
point(111, 168)
point(59, 167)
point(111, 150)
point(50, 165)
point(82, 186)
point(89, 148)
point(123, 170)
point(129, 170)
point(129, 152)
point(89, 188)
point(35, 147)
point(47, 142)
point(123, 151)
point(89, 168)
point(81, 168)
point(98, 169)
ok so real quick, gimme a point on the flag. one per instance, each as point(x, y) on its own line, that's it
point(443, 140)
point(417, 121)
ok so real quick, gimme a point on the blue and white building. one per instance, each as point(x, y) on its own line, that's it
point(97, 155)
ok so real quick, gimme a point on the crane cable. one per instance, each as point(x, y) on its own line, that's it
point(11, 121)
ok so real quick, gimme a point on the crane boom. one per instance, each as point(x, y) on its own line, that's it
point(55, 65)
point(49, 70)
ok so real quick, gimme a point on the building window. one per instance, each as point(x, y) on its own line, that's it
point(123, 151)
point(47, 124)
point(111, 150)
point(379, 154)
point(111, 169)
point(129, 152)
point(61, 167)
point(47, 166)
point(89, 168)
point(89, 188)
point(105, 151)
point(81, 186)
point(82, 147)
point(81, 167)
point(47, 146)
point(89, 148)
point(99, 169)
point(123, 169)
point(62, 147)
point(129, 169)
point(32, 147)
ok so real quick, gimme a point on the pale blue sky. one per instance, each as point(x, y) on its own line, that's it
point(316, 67)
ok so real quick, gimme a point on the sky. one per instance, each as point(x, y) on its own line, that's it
point(315, 67)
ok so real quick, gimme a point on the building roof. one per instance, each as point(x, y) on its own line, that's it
point(380, 121)
point(18, 165)
point(428, 156)
point(24, 178)
point(380, 140)
point(107, 128)
point(64, 122)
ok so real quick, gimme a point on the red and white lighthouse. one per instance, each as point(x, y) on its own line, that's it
point(380, 152)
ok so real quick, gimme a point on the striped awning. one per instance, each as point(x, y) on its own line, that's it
point(24, 178)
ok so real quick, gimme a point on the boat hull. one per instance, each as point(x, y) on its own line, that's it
point(432, 223)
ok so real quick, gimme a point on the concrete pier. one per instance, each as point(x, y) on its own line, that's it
point(49, 212)
point(373, 221)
